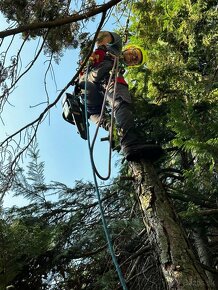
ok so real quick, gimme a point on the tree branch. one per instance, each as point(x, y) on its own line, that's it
point(205, 212)
point(61, 21)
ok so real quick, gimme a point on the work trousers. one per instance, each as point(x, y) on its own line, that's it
point(95, 92)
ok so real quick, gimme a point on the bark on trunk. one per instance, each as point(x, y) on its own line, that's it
point(180, 267)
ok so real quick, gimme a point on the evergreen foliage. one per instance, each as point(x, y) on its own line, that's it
point(57, 241)
point(175, 97)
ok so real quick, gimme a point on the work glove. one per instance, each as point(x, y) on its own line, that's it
point(98, 55)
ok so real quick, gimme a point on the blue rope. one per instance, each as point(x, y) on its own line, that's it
point(105, 226)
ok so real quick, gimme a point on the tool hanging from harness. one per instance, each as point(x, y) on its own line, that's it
point(74, 111)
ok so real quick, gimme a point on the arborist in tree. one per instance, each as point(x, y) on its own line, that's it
point(109, 47)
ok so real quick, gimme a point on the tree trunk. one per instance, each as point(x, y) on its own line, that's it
point(180, 267)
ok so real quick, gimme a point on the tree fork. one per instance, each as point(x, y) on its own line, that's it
point(180, 267)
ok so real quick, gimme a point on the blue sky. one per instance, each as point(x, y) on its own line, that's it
point(65, 154)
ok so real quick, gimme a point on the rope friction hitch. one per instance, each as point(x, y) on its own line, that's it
point(74, 111)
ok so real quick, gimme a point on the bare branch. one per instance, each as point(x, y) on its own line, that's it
point(6, 92)
point(9, 168)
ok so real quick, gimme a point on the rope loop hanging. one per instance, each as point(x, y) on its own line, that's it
point(113, 78)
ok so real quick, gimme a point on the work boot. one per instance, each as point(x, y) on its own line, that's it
point(148, 152)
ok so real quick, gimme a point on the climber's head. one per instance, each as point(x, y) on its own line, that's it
point(134, 55)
